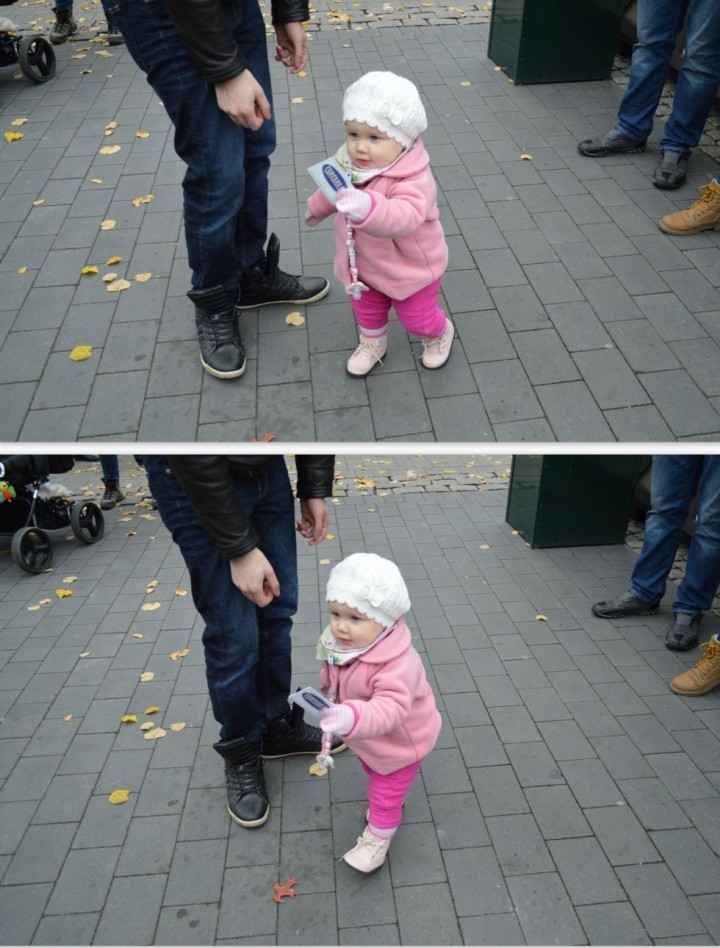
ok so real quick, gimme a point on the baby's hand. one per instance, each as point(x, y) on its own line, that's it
point(338, 720)
point(353, 203)
point(310, 220)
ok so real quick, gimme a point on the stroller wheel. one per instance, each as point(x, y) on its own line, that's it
point(31, 549)
point(37, 58)
point(87, 522)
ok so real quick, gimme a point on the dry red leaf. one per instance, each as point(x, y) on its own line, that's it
point(268, 436)
point(284, 890)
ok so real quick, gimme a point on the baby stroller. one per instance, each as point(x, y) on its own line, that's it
point(34, 54)
point(26, 514)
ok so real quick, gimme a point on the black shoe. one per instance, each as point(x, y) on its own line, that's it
point(221, 351)
point(112, 496)
point(114, 36)
point(247, 797)
point(671, 171)
point(625, 605)
point(268, 284)
point(291, 735)
point(611, 143)
point(63, 28)
point(684, 633)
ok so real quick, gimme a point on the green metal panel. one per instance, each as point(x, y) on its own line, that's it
point(555, 40)
point(572, 500)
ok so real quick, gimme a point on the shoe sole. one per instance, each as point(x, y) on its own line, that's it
point(620, 614)
point(692, 694)
point(683, 233)
point(667, 186)
point(683, 648)
point(638, 150)
point(235, 374)
point(360, 871)
point(310, 299)
point(361, 375)
point(249, 824)
point(336, 750)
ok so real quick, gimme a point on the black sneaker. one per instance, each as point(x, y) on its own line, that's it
point(288, 736)
point(268, 284)
point(671, 171)
point(63, 28)
point(684, 633)
point(221, 350)
point(611, 143)
point(112, 495)
point(114, 36)
point(625, 605)
point(247, 796)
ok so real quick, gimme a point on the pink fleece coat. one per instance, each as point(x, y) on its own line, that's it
point(396, 720)
point(400, 246)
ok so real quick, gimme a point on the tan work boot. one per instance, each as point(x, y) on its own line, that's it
point(704, 676)
point(704, 214)
point(370, 351)
point(369, 853)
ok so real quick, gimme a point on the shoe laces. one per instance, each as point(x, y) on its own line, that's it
point(710, 194)
point(246, 778)
point(370, 344)
point(436, 342)
point(711, 657)
point(221, 330)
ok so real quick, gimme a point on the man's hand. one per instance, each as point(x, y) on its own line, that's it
point(254, 577)
point(243, 100)
point(292, 49)
point(314, 519)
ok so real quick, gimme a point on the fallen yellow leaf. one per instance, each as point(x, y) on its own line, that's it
point(181, 592)
point(541, 618)
point(118, 285)
point(110, 125)
point(146, 200)
point(87, 270)
point(153, 709)
point(68, 717)
point(33, 608)
point(19, 121)
point(119, 796)
point(526, 157)
point(317, 770)
point(13, 136)
point(21, 270)
point(295, 319)
point(44, 602)
point(330, 536)
point(85, 654)
point(149, 606)
point(138, 635)
point(147, 726)
point(147, 676)
point(484, 546)
point(324, 562)
point(108, 225)
point(112, 261)
point(128, 719)
point(466, 83)
point(179, 726)
point(69, 579)
point(295, 101)
point(38, 202)
point(79, 354)
point(142, 277)
point(155, 734)
point(62, 593)
point(110, 277)
point(109, 149)
point(142, 133)
point(96, 180)
point(176, 655)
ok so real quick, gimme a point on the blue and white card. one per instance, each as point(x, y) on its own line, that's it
point(330, 176)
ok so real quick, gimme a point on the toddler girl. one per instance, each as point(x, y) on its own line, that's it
point(386, 711)
point(390, 247)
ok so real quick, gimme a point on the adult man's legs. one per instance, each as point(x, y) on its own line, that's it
point(247, 649)
point(702, 571)
point(112, 494)
point(674, 483)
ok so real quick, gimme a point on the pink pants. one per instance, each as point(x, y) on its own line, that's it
point(419, 313)
point(386, 793)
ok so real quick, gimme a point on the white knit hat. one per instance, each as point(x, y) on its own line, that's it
point(370, 584)
point(388, 102)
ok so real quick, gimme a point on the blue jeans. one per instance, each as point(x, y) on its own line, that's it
point(110, 467)
point(68, 5)
point(658, 24)
point(247, 648)
point(675, 480)
point(226, 182)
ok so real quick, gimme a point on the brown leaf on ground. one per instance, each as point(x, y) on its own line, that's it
point(284, 890)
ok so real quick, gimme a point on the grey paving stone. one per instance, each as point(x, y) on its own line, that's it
point(137, 927)
point(544, 910)
point(615, 923)
point(426, 916)
point(689, 858)
point(21, 909)
point(659, 901)
point(585, 871)
point(66, 929)
point(188, 925)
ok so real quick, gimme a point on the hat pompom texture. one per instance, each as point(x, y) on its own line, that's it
point(388, 102)
point(372, 585)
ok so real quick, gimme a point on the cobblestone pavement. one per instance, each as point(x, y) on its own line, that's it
point(578, 319)
point(572, 799)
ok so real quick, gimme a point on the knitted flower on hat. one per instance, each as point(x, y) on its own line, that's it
point(388, 102)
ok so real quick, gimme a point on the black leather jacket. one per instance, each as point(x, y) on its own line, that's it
point(205, 26)
point(207, 480)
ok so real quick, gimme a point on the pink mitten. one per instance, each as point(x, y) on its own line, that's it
point(309, 219)
point(354, 203)
point(338, 720)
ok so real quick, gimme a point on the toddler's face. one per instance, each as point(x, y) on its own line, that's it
point(368, 147)
point(350, 628)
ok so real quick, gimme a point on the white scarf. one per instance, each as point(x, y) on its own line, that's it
point(328, 651)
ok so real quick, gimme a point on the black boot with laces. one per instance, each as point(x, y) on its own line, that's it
point(292, 735)
point(268, 284)
point(247, 797)
point(63, 28)
point(221, 351)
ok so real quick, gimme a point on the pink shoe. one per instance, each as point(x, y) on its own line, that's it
point(436, 351)
point(370, 351)
point(369, 853)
